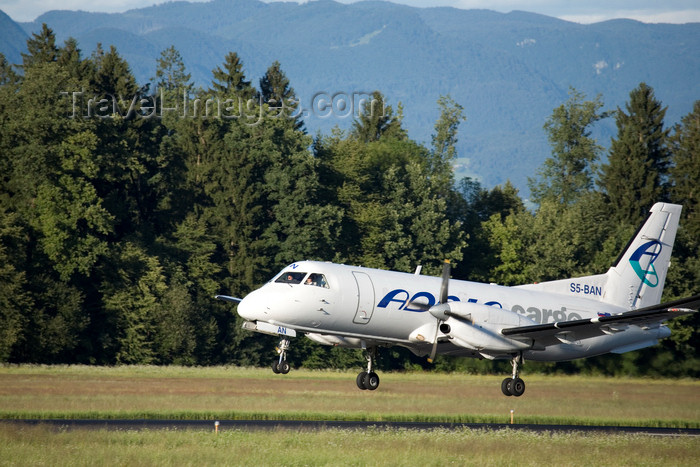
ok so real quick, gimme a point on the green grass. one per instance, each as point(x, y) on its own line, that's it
point(134, 392)
point(43, 446)
point(70, 392)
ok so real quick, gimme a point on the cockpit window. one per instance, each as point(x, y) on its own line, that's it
point(319, 280)
point(291, 277)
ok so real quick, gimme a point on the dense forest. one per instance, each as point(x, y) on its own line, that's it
point(124, 208)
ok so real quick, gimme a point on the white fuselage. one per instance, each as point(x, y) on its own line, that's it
point(359, 307)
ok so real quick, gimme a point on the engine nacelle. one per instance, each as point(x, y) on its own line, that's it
point(478, 327)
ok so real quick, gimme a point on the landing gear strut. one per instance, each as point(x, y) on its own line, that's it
point(514, 386)
point(281, 365)
point(369, 379)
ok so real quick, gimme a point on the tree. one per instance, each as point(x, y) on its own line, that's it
point(230, 80)
point(568, 173)
point(685, 171)
point(41, 47)
point(377, 120)
point(70, 216)
point(684, 277)
point(480, 255)
point(444, 140)
point(7, 74)
point(132, 293)
point(171, 75)
point(635, 176)
point(69, 59)
point(276, 92)
point(14, 299)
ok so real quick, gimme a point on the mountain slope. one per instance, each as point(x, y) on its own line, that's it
point(508, 70)
point(13, 39)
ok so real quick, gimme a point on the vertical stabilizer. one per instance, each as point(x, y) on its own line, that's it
point(637, 278)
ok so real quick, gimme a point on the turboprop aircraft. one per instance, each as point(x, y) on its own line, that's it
point(356, 307)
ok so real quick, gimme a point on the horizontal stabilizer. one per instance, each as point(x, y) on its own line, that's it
point(546, 334)
point(228, 298)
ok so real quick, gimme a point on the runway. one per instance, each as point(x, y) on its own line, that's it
point(302, 425)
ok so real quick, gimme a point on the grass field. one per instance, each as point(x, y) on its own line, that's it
point(245, 393)
point(41, 446)
point(230, 393)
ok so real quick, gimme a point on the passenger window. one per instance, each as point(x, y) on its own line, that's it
point(291, 277)
point(319, 280)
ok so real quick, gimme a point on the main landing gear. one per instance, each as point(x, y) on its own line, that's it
point(514, 386)
point(281, 365)
point(369, 379)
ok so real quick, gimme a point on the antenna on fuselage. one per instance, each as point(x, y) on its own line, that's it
point(418, 270)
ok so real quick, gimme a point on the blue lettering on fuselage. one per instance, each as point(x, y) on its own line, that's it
point(391, 297)
point(426, 295)
point(426, 299)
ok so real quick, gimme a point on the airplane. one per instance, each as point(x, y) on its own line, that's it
point(363, 308)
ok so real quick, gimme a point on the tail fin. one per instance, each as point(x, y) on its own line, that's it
point(637, 278)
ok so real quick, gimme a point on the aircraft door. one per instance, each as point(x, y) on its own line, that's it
point(365, 298)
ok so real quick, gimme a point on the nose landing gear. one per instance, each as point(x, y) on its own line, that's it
point(369, 379)
point(281, 365)
point(514, 386)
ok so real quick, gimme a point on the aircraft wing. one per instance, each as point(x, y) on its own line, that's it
point(228, 298)
point(567, 331)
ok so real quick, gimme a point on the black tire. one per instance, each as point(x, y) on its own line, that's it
point(517, 387)
point(505, 387)
point(372, 381)
point(284, 367)
point(361, 380)
point(275, 367)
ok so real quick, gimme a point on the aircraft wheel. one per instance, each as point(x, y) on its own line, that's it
point(517, 387)
point(372, 381)
point(361, 380)
point(275, 367)
point(284, 367)
point(505, 386)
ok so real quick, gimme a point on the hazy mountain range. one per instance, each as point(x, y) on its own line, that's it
point(508, 70)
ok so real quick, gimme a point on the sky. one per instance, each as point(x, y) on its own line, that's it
point(580, 11)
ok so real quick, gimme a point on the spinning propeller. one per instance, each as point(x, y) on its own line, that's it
point(442, 309)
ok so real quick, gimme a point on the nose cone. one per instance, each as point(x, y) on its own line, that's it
point(253, 307)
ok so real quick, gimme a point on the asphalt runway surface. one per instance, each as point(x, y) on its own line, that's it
point(300, 425)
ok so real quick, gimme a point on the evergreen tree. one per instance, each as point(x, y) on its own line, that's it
point(685, 172)
point(276, 92)
point(7, 74)
point(69, 59)
point(171, 75)
point(568, 173)
point(14, 299)
point(230, 80)
point(377, 120)
point(635, 176)
point(132, 292)
point(684, 277)
point(41, 48)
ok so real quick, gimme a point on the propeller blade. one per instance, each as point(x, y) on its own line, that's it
point(441, 310)
point(445, 281)
point(433, 351)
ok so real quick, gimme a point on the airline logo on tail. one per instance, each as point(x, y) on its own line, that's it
point(647, 274)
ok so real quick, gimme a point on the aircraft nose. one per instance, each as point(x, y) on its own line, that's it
point(250, 307)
